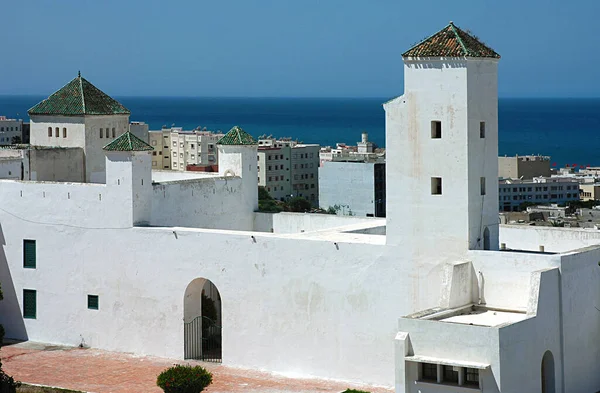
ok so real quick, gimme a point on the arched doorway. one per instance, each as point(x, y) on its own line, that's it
point(202, 321)
point(548, 382)
point(486, 239)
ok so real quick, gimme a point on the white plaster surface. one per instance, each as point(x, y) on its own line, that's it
point(486, 318)
point(519, 237)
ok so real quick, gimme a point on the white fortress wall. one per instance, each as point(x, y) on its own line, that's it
point(288, 222)
point(529, 237)
point(214, 203)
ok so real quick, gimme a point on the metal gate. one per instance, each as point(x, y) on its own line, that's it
point(202, 340)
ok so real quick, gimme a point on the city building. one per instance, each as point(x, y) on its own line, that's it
point(161, 262)
point(139, 129)
point(177, 149)
point(79, 115)
point(524, 167)
point(10, 131)
point(305, 172)
point(274, 166)
point(289, 169)
point(589, 191)
point(513, 193)
point(363, 151)
point(355, 188)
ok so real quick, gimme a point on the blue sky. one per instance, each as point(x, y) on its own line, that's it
point(308, 48)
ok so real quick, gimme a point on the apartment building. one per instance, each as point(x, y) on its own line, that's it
point(10, 131)
point(274, 169)
point(540, 190)
point(177, 149)
point(356, 188)
point(289, 169)
point(523, 167)
point(305, 172)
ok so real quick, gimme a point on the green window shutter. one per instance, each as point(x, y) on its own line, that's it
point(29, 258)
point(93, 302)
point(29, 303)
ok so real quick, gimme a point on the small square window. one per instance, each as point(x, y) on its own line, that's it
point(471, 376)
point(436, 129)
point(429, 372)
point(451, 374)
point(29, 257)
point(29, 304)
point(482, 185)
point(93, 302)
point(436, 186)
point(482, 129)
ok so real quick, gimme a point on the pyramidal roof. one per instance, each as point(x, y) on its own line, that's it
point(451, 41)
point(77, 98)
point(237, 136)
point(128, 142)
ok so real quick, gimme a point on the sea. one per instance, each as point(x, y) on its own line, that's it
point(567, 130)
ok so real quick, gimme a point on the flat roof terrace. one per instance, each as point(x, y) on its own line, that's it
point(475, 315)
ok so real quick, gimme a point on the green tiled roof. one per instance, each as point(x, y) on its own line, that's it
point(128, 142)
point(77, 98)
point(451, 42)
point(237, 136)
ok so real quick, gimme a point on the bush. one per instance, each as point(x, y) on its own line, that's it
point(354, 391)
point(184, 379)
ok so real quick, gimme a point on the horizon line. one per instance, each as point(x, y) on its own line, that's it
point(306, 97)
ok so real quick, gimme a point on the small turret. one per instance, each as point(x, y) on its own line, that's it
point(237, 157)
point(129, 168)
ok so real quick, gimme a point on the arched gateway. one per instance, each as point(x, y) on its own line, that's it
point(202, 321)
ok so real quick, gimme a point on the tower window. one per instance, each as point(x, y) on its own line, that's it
point(101, 133)
point(29, 260)
point(482, 129)
point(107, 134)
point(436, 129)
point(482, 185)
point(93, 302)
point(114, 133)
point(436, 186)
point(49, 131)
point(57, 132)
point(64, 132)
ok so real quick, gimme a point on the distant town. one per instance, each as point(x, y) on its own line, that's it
point(346, 179)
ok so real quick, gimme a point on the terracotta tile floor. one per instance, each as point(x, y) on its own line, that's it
point(96, 371)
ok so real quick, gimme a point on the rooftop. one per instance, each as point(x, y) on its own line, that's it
point(451, 41)
point(477, 315)
point(128, 142)
point(78, 98)
point(237, 136)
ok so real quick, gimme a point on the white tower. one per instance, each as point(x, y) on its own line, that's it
point(238, 157)
point(129, 170)
point(442, 141)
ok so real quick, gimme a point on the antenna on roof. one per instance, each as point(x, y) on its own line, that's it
point(79, 74)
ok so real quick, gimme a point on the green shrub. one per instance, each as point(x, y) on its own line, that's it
point(354, 391)
point(184, 379)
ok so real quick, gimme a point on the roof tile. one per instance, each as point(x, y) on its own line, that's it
point(78, 98)
point(128, 142)
point(237, 136)
point(451, 41)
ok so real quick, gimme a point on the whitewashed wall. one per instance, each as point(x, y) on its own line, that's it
point(75, 126)
point(520, 237)
point(10, 168)
point(95, 158)
point(202, 203)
